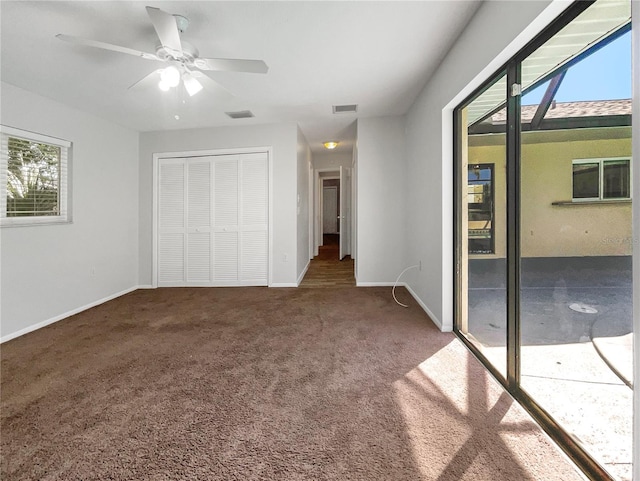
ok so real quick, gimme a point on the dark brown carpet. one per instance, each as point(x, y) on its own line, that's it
point(259, 384)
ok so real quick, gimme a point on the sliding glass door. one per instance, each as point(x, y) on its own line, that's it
point(483, 306)
point(543, 231)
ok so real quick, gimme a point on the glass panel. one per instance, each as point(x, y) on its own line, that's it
point(609, 73)
point(586, 181)
point(480, 205)
point(483, 293)
point(598, 21)
point(575, 297)
point(33, 178)
point(616, 179)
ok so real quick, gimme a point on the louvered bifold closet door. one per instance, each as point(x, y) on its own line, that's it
point(226, 209)
point(199, 212)
point(171, 222)
point(213, 217)
point(254, 219)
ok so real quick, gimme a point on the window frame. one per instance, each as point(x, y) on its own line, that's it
point(601, 161)
point(573, 448)
point(64, 190)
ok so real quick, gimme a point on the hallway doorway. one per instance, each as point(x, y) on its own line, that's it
point(330, 211)
point(332, 208)
point(334, 248)
point(326, 269)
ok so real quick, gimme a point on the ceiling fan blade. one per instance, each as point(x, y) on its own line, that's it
point(167, 29)
point(106, 46)
point(231, 65)
point(209, 83)
point(152, 79)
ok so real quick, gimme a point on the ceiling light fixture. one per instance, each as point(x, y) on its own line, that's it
point(330, 144)
point(170, 76)
point(191, 84)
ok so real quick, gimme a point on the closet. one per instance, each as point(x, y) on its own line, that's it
point(212, 220)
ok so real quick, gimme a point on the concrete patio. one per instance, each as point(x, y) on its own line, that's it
point(576, 344)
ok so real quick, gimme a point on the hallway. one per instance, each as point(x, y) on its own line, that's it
point(326, 270)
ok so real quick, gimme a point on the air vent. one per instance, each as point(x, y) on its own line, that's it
point(242, 114)
point(343, 109)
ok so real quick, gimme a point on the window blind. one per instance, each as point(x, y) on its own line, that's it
point(34, 178)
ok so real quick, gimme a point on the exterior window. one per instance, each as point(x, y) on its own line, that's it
point(480, 202)
point(33, 174)
point(601, 179)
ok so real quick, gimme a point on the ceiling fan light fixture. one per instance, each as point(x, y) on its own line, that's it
point(330, 144)
point(191, 84)
point(170, 76)
point(182, 59)
point(164, 86)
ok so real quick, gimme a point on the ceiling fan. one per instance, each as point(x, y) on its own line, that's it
point(183, 58)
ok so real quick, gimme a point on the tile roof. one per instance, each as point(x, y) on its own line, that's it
point(561, 110)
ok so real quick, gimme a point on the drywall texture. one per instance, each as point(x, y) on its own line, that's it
point(381, 201)
point(303, 219)
point(332, 160)
point(428, 185)
point(50, 270)
point(281, 137)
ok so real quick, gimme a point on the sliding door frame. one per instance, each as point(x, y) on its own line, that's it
point(591, 468)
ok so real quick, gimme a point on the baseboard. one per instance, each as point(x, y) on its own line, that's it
point(424, 307)
point(39, 325)
point(42, 324)
point(304, 271)
point(431, 315)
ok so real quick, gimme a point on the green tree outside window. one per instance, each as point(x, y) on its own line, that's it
point(33, 178)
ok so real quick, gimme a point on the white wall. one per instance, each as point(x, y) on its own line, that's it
point(281, 137)
point(381, 184)
point(304, 168)
point(46, 270)
point(332, 160)
point(429, 178)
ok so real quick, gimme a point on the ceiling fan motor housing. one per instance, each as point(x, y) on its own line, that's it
point(188, 56)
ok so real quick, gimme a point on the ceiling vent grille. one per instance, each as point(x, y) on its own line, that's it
point(343, 109)
point(242, 114)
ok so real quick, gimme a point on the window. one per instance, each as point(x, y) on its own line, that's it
point(529, 307)
point(601, 179)
point(480, 204)
point(33, 178)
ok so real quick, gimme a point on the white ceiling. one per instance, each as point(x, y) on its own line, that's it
point(375, 54)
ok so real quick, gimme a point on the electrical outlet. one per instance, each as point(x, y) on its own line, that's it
point(285, 257)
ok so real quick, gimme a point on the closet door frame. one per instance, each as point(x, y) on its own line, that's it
point(207, 153)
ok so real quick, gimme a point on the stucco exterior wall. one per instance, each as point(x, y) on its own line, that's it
point(558, 230)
